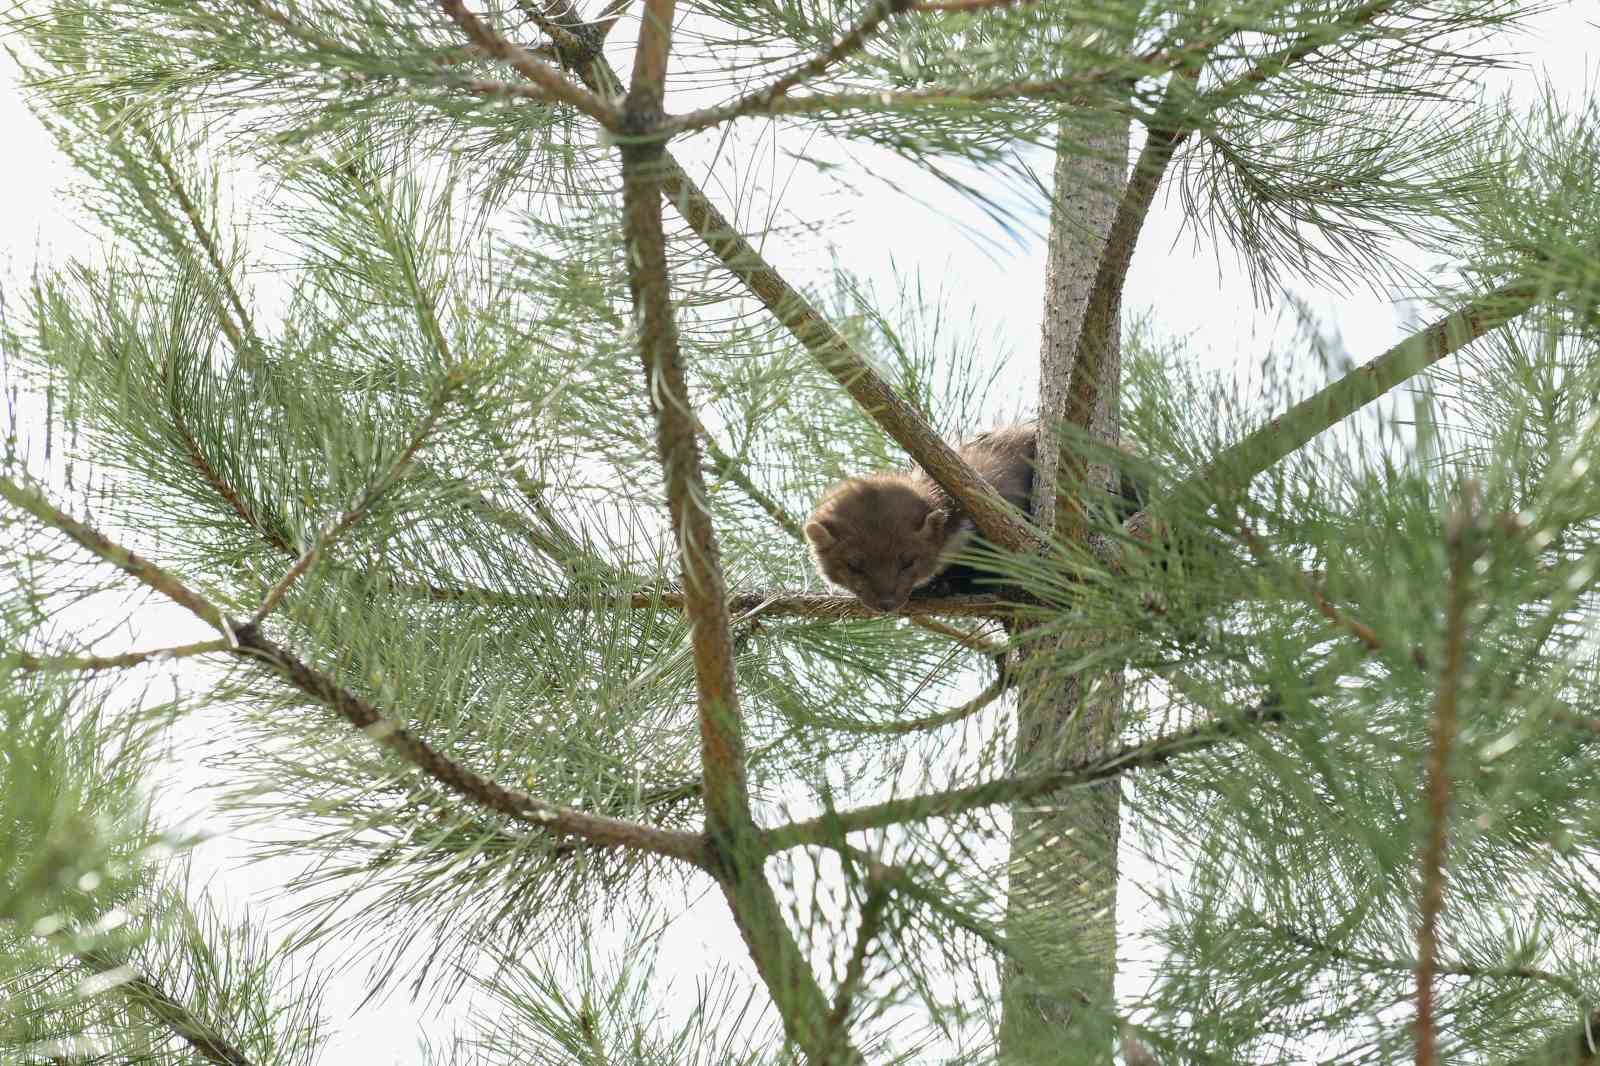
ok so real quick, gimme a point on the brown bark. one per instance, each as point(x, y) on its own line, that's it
point(735, 858)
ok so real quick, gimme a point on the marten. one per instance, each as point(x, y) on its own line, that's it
point(883, 535)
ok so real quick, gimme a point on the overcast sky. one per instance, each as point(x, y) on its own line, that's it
point(1183, 284)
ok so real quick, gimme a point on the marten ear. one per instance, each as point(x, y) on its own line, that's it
point(819, 534)
point(933, 525)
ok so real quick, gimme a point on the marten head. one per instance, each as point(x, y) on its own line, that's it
point(880, 537)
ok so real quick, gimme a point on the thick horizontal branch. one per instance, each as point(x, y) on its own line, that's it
point(832, 827)
point(1235, 467)
point(249, 641)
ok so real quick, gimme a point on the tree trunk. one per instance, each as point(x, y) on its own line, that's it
point(1061, 911)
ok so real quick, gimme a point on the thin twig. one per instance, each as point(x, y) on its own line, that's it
point(248, 641)
point(1409, 966)
point(369, 496)
point(973, 641)
point(1064, 89)
point(1020, 787)
point(547, 78)
point(729, 466)
point(966, 5)
point(855, 969)
point(1364, 633)
point(765, 99)
point(1463, 545)
point(932, 721)
point(241, 334)
point(140, 989)
point(90, 664)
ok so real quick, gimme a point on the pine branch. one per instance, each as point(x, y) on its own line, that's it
point(207, 470)
point(855, 969)
point(728, 466)
point(357, 511)
point(207, 1043)
point(972, 641)
point(1168, 130)
point(1002, 524)
point(90, 664)
point(997, 520)
point(1065, 89)
point(1360, 630)
point(241, 332)
point(931, 721)
point(248, 642)
point(1021, 787)
point(1302, 48)
point(554, 87)
point(1577, 1047)
point(766, 100)
point(730, 830)
point(249, 349)
point(1235, 467)
point(1462, 544)
point(1375, 964)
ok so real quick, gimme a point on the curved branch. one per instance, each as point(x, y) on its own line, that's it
point(248, 641)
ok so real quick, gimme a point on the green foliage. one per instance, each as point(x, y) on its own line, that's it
point(360, 366)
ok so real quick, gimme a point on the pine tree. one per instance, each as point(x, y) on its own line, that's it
point(448, 441)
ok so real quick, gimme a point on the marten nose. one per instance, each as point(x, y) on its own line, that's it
point(887, 603)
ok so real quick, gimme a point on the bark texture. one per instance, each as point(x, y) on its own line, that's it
point(1061, 913)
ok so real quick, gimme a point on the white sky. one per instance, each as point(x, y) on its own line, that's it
point(1184, 285)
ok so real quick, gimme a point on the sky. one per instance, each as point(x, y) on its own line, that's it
point(1191, 291)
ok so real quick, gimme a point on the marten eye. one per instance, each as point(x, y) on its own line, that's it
point(907, 564)
point(854, 569)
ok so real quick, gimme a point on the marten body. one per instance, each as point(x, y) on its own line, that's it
point(883, 535)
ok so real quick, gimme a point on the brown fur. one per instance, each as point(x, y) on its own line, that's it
point(883, 535)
